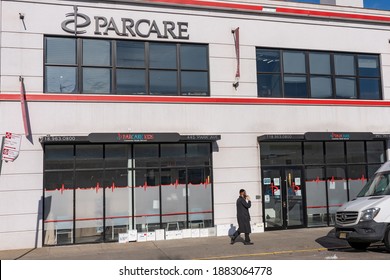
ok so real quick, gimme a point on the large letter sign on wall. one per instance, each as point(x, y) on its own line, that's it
point(11, 146)
point(143, 28)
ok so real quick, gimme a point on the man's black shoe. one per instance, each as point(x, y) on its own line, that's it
point(232, 240)
point(248, 243)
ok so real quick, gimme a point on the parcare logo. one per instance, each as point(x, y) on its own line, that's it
point(75, 22)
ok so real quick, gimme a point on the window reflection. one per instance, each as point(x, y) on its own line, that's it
point(315, 74)
point(295, 87)
point(116, 187)
point(163, 82)
point(137, 67)
point(96, 80)
point(61, 79)
point(294, 62)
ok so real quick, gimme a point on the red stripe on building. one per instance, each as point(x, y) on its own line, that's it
point(223, 5)
point(193, 100)
point(278, 10)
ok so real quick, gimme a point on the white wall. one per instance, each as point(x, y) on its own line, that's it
point(237, 161)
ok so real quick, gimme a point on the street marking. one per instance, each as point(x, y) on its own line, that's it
point(271, 253)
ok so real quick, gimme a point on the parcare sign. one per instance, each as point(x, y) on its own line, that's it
point(11, 146)
point(76, 23)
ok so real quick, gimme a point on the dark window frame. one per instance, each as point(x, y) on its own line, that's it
point(129, 150)
point(114, 67)
point(357, 76)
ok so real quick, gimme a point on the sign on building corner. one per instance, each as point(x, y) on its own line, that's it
point(76, 23)
point(11, 146)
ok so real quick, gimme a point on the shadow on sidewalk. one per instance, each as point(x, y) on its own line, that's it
point(332, 243)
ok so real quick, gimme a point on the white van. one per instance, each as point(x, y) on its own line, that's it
point(366, 219)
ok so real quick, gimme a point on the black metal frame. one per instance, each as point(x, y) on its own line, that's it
point(284, 196)
point(323, 165)
point(129, 148)
point(113, 67)
point(332, 74)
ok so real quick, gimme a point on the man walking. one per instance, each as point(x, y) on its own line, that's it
point(243, 218)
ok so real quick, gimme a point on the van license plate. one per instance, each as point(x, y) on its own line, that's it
point(343, 235)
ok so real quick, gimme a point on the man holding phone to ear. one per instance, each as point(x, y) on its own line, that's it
point(243, 218)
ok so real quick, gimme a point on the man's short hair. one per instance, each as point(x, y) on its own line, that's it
point(242, 190)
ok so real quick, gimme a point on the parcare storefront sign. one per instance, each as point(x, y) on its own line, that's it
point(77, 23)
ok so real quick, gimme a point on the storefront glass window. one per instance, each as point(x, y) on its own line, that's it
point(336, 181)
point(375, 152)
point(198, 154)
point(281, 153)
point(200, 206)
point(173, 198)
point(357, 178)
point(316, 196)
point(58, 207)
point(147, 199)
point(334, 152)
point(355, 152)
point(146, 155)
point(335, 172)
point(313, 152)
point(88, 206)
point(94, 192)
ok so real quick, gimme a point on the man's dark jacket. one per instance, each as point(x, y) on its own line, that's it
point(243, 217)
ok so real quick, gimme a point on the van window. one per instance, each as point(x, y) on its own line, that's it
point(378, 185)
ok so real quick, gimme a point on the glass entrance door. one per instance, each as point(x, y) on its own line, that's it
point(282, 197)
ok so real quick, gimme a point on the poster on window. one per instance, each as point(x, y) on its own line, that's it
point(267, 181)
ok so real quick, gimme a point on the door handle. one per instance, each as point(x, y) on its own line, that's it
point(284, 204)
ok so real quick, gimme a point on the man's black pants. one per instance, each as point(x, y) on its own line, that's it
point(237, 233)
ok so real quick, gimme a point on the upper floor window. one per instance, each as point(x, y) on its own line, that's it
point(93, 66)
point(314, 74)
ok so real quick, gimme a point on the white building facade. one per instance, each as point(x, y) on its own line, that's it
point(153, 114)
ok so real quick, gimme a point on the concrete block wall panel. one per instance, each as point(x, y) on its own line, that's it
point(237, 159)
point(13, 182)
point(20, 240)
point(255, 31)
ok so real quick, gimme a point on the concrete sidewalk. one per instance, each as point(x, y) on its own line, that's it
point(314, 243)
